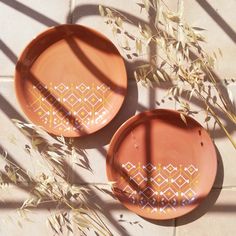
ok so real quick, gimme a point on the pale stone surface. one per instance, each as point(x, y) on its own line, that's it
point(209, 219)
point(121, 221)
point(21, 21)
point(12, 223)
point(220, 23)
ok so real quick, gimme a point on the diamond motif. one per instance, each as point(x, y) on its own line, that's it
point(61, 127)
point(170, 168)
point(41, 112)
point(83, 113)
point(128, 166)
point(180, 181)
point(72, 99)
point(169, 193)
point(82, 87)
point(149, 167)
point(189, 194)
point(49, 99)
point(61, 88)
point(129, 190)
point(94, 100)
point(39, 86)
point(191, 169)
point(138, 178)
point(173, 202)
point(103, 88)
point(102, 112)
point(148, 207)
point(159, 179)
point(148, 192)
point(167, 208)
point(72, 95)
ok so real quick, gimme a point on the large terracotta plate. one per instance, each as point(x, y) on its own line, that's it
point(161, 167)
point(70, 80)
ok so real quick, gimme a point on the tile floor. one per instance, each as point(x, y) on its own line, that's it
point(20, 21)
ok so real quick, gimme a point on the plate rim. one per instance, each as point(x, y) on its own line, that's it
point(128, 124)
point(34, 40)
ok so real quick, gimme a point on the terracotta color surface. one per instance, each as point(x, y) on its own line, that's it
point(70, 80)
point(162, 167)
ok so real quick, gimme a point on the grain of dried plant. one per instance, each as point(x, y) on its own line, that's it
point(181, 60)
point(69, 203)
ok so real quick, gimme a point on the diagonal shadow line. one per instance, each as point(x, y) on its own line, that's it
point(113, 206)
point(152, 52)
point(101, 202)
point(219, 81)
point(69, 20)
point(98, 201)
point(110, 219)
point(218, 19)
point(12, 160)
point(217, 133)
point(78, 52)
point(7, 180)
point(223, 88)
point(55, 103)
point(116, 167)
point(30, 12)
point(9, 110)
point(12, 113)
point(8, 52)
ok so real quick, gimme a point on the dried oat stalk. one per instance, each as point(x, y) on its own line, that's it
point(181, 60)
point(52, 187)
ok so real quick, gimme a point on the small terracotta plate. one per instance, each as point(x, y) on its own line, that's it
point(161, 167)
point(70, 80)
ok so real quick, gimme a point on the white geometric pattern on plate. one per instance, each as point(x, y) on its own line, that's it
point(68, 106)
point(159, 189)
